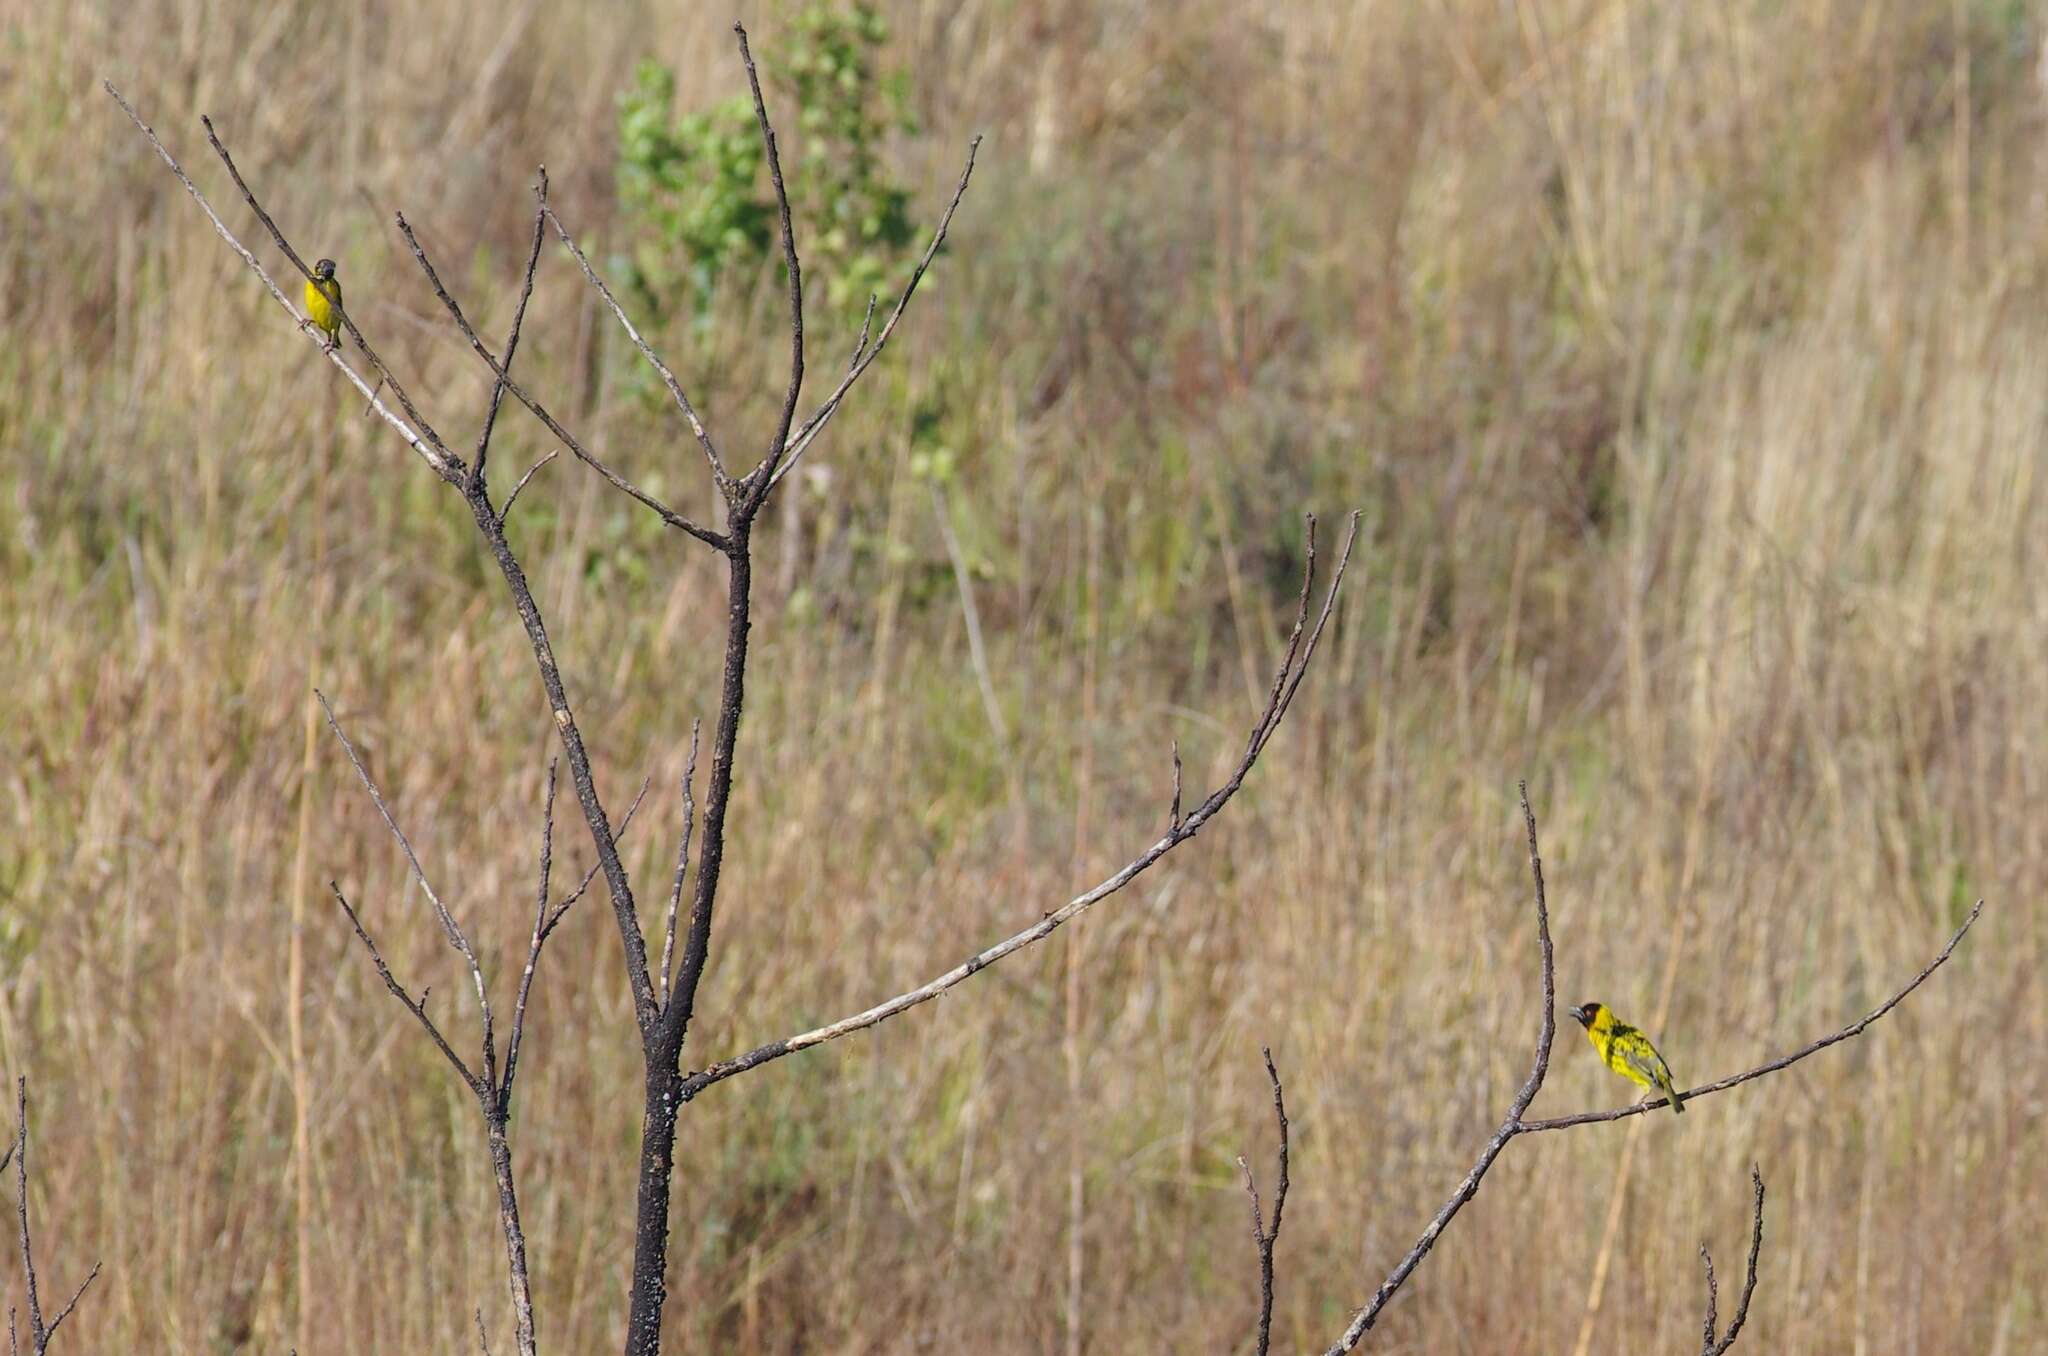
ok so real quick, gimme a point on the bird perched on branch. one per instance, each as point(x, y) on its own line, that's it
point(1628, 1051)
point(323, 301)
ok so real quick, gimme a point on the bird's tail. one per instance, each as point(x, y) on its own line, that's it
point(1677, 1102)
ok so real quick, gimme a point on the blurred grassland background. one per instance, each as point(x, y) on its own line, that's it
point(1690, 367)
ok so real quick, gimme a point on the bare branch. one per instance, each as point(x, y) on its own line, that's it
point(1283, 692)
point(1510, 1124)
point(28, 1259)
point(1264, 1237)
point(506, 511)
point(860, 345)
point(1173, 811)
point(567, 439)
point(762, 477)
point(533, 945)
point(456, 937)
point(435, 456)
point(483, 1342)
point(675, 894)
point(39, 1334)
point(483, 438)
point(1710, 1345)
point(675, 389)
point(71, 1304)
point(418, 1008)
point(1854, 1028)
point(249, 197)
point(864, 358)
point(583, 886)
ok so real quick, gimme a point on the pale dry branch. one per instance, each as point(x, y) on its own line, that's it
point(1298, 656)
point(1513, 1124)
point(435, 457)
point(1855, 1028)
point(383, 372)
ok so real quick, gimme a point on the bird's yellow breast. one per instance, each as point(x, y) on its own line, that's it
point(320, 304)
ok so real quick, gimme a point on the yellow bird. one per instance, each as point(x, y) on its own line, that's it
point(323, 301)
point(1627, 1051)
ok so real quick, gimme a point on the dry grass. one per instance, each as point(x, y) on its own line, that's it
point(1689, 364)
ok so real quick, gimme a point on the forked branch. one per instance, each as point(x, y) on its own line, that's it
point(421, 440)
point(1546, 1031)
point(1265, 1235)
point(1513, 1124)
point(1710, 1345)
point(762, 478)
point(483, 439)
point(864, 355)
point(539, 411)
point(1814, 1047)
point(39, 1332)
point(1301, 648)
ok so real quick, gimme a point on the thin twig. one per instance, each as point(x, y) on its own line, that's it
point(533, 946)
point(675, 893)
point(860, 345)
point(762, 478)
point(434, 456)
point(567, 439)
point(1854, 1028)
point(583, 886)
point(39, 1334)
point(417, 1007)
point(1510, 1124)
point(1709, 1344)
point(668, 378)
point(483, 438)
point(1173, 812)
point(506, 511)
point(456, 937)
point(1264, 1236)
point(1283, 693)
point(809, 430)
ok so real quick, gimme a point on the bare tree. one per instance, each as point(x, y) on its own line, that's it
point(664, 1000)
point(39, 1332)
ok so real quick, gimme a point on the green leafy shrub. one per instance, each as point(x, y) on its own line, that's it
point(700, 209)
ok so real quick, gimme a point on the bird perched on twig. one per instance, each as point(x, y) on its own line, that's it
point(323, 301)
point(1628, 1051)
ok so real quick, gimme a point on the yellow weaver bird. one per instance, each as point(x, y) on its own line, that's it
point(1627, 1051)
point(323, 301)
